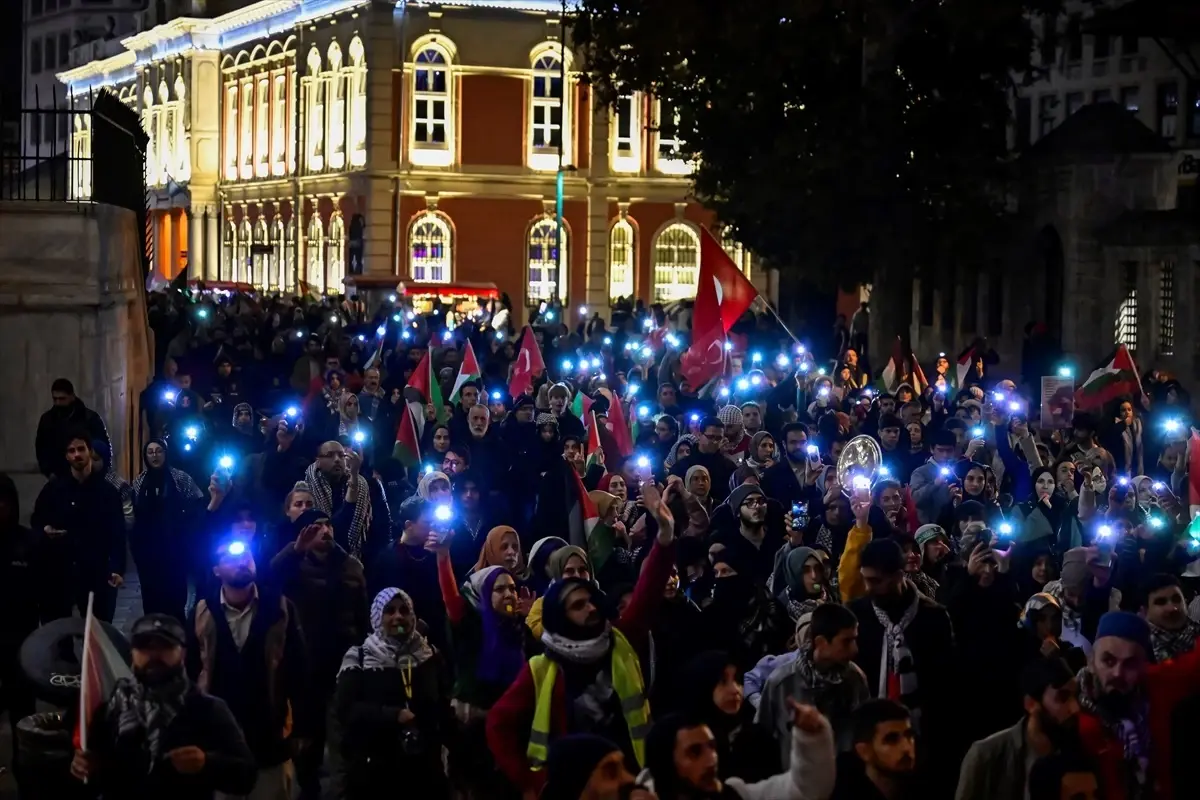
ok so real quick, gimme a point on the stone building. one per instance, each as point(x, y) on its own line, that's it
point(317, 144)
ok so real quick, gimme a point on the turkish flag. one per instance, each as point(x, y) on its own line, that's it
point(705, 359)
point(722, 292)
point(528, 364)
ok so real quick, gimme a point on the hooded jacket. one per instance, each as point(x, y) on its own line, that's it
point(55, 424)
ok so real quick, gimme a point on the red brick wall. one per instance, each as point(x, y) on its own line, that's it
point(492, 127)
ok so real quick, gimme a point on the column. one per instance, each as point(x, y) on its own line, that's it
point(212, 242)
point(596, 274)
point(171, 268)
point(195, 259)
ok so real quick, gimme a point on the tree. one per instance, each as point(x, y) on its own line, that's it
point(850, 140)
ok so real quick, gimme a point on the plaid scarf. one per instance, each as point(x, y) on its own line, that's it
point(1173, 644)
point(925, 584)
point(897, 672)
point(1132, 732)
point(817, 680)
point(147, 712)
point(180, 480)
point(322, 493)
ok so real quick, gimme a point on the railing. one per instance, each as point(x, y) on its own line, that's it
point(45, 159)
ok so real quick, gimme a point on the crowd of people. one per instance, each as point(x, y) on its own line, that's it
point(614, 584)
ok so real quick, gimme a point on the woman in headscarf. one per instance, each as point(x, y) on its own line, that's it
point(804, 582)
point(349, 419)
point(244, 438)
point(392, 691)
point(682, 448)
point(698, 482)
point(710, 688)
point(565, 562)
point(167, 508)
point(502, 548)
point(1044, 515)
point(539, 562)
point(627, 510)
point(435, 487)
point(743, 619)
point(762, 452)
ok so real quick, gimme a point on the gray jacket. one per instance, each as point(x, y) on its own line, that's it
point(929, 498)
point(810, 777)
point(835, 701)
point(995, 767)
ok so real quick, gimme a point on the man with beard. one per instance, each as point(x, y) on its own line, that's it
point(1127, 705)
point(590, 678)
point(245, 647)
point(584, 767)
point(793, 479)
point(341, 492)
point(748, 542)
point(752, 418)
point(708, 454)
point(68, 414)
point(997, 768)
point(883, 765)
point(682, 762)
point(1171, 630)
point(1064, 776)
point(160, 736)
point(823, 675)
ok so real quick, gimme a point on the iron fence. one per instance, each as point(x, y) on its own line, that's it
point(42, 157)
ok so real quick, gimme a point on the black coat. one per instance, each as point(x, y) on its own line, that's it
point(720, 470)
point(50, 444)
point(204, 722)
point(91, 513)
point(19, 553)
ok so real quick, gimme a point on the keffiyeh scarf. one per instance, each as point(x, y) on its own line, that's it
point(381, 651)
point(897, 672)
point(322, 493)
point(577, 651)
point(1133, 731)
point(140, 711)
point(816, 680)
point(182, 482)
point(1172, 644)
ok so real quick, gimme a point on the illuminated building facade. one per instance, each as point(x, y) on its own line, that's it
point(414, 140)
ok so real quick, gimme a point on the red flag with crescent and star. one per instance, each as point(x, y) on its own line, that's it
point(528, 364)
point(722, 295)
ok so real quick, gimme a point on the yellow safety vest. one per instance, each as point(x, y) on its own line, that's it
point(628, 683)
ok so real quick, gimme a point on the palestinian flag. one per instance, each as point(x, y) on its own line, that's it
point(101, 667)
point(467, 372)
point(963, 366)
point(407, 449)
point(902, 369)
point(426, 384)
point(581, 406)
point(582, 515)
point(593, 442)
point(1116, 377)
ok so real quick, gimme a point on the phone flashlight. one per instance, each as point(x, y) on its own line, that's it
point(884, 472)
point(236, 548)
point(695, 418)
point(607, 341)
point(943, 388)
point(225, 462)
point(944, 472)
point(381, 330)
point(397, 318)
point(446, 336)
point(1172, 426)
point(359, 437)
point(1158, 486)
point(998, 396)
point(1064, 372)
point(643, 462)
point(941, 355)
point(724, 391)
point(362, 338)
point(1014, 406)
point(169, 396)
point(643, 411)
point(804, 367)
point(428, 468)
point(672, 340)
point(1123, 481)
point(602, 376)
point(812, 450)
point(202, 313)
point(823, 391)
point(629, 345)
point(1006, 529)
point(406, 335)
point(567, 365)
point(634, 388)
point(582, 310)
point(442, 513)
point(596, 363)
point(191, 432)
point(820, 370)
point(1105, 531)
point(499, 334)
point(187, 448)
point(299, 334)
point(647, 352)
point(756, 357)
point(782, 361)
point(647, 323)
point(333, 319)
point(292, 411)
point(496, 395)
point(861, 482)
point(743, 384)
point(1157, 523)
point(755, 380)
point(800, 349)
point(391, 298)
point(728, 346)
point(977, 432)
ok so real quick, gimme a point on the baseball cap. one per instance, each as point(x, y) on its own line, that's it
point(161, 627)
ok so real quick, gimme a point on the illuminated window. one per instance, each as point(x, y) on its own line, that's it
point(335, 256)
point(241, 263)
point(182, 160)
point(626, 134)
point(337, 108)
point(668, 154)
point(432, 125)
point(276, 275)
point(1166, 309)
point(150, 126)
point(358, 103)
point(260, 260)
point(314, 92)
point(1125, 328)
point(620, 260)
point(676, 263)
point(548, 115)
point(289, 256)
point(429, 243)
point(228, 250)
point(262, 129)
point(246, 145)
point(279, 123)
point(543, 259)
point(81, 155)
point(315, 273)
point(733, 248)
point(231, 131)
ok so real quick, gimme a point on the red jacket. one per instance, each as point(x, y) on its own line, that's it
point(1166, 685)
point(511, 718)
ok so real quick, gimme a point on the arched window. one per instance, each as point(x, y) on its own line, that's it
point(246, 151)
point(547, 115)
point(276, 277)
point(315, 272)
point(543, 259)
point(241, 266)
point(676, 262)
point(358, 103)
point(228, 250)
point(259, 276)
point(231, 131)
point(432, 126)
point(280, 124)
point(314, 92)
point(337, 107)
point(620, 260)
point(335, 256)
point(262, 129)
point(429, 243)
point(289, 256)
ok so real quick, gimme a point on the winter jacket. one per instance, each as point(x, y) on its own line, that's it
point(995, 768)
point(836, 701)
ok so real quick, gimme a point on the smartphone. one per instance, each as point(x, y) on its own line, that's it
point(799, 516)
point(985, 537)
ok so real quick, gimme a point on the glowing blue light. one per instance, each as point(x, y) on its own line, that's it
point(756, 358)
point(812, 449)
point(396, 318)
point(977, 432)
point(446, 336)
point(607, 340)
point(567, 365)
point(333, 319)
point(191, 431)
point(643, 411)
point(406, 335)
point(292, 411)
point(428, 468)
point(728, 346)
point(381, 330)
point(1014, 406)
point(359, 437)
point(411, 315)
point(998, 397)
point(866, 392)
point(1105, 531)
point(187, 448)
point(694, 417)
point(1006, 529)
point(944, 472)
point(724, 391)
point(236, 548)
point(643, 462)
point(1123, 480)
point(495, 395)
point(800, 349)
point(362, 338)
point(941, 355)
point(647, 352)
point(602, 376)
point(804, 367)
point(823, 391)
point(202, 313)
point(1157, 523)
point(597, 363)
point(442, 513)
point(743, 384)
point(583, 311)
point(1172, 426)
point(225, 462)
point(499, 334)
point(391, 298)
point(549, 315)
point(782, 361)
point(1158, 486)
point(299, 334)
point(861, 482)
point(648, 324)
point(821, 371)
point(1065, 372)
point(672, 340)
point(634, 388)
point(169, 396)
point(629, 345)
point(884, 472)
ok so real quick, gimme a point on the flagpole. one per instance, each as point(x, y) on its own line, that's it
point(779, 319)
point(83, 675)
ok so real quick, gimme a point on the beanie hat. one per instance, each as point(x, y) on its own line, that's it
point(889, 421)
point(1128, 626)
point(739, 495)
point(730, 415)
point(560, 390)
point(546, 418)
point(522, 400)
point(570, 764)
point(927, 533)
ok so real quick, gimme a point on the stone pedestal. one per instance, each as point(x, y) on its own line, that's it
point(71, 306)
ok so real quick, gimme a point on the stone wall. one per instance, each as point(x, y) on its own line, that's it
point(71, 306)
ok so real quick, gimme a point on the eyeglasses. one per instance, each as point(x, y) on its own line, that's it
point(332, 454)
point(754, 501)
